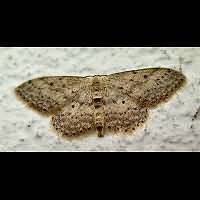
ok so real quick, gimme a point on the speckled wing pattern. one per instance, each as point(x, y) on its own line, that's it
point(133, 93)
point(119, 102)
point(49, 94)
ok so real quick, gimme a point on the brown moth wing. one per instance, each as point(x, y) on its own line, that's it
point(130, 94)
point(145, 87)
point(124, 117)
point(73, 121)
point(50, 94)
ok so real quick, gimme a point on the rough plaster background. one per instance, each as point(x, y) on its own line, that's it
point(169, 128)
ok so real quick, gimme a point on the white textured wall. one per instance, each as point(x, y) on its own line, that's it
point(170, 126)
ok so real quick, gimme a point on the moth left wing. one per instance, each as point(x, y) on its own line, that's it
point(49, 94)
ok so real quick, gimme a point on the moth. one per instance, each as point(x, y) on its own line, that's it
point(119, 102)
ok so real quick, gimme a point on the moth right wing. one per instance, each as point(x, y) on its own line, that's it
point(145, 87)
point(130, 94)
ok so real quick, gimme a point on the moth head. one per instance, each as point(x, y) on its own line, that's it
point(98, 101)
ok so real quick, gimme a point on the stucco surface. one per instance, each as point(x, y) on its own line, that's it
point(171, 126)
